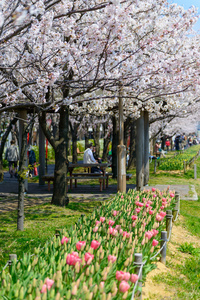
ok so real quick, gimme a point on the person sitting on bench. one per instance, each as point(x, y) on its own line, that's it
point(88, 158)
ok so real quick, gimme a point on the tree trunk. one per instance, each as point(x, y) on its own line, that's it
point(74, 143)
point(115, 142)
point(59, 192)
point(146, 147)
point(132, 153)
point(86, 140)
point(140, 152)
point(126, 130)
point(96, 136)
point(21, 178)
point(3, 141)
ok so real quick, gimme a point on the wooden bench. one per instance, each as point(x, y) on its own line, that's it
point(76, 176)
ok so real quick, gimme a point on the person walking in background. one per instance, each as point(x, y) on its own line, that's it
point(12, 156)
point(32, 161)
point(167, 144)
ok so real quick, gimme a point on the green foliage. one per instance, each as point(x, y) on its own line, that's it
point(188, 248)
point(5, 163)
point(50, 155)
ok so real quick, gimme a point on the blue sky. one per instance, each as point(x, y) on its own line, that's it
point(187, 4)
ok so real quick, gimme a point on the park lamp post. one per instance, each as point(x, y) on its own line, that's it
point(121, 150)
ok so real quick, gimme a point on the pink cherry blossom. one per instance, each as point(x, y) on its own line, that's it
point(134, 278)
point(95, 244)
point(154, 243)
point(80, 245)
point(64, 240)
point(123, 286)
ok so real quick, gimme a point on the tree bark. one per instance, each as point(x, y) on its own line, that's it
point(132, 153)
point(59, 192)
point(115, 142)
point(86, 140)
point(146, 147)
point(106, 142)
point(21, 178)
point(96, 136)
point(140, 152)
point(3, 141)
point(74, 142)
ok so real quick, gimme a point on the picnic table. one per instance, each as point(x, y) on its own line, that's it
point(103, 177)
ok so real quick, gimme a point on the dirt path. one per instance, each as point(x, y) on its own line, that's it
point(160, 291)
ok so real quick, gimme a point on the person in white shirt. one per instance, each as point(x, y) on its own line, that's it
point(88, 158)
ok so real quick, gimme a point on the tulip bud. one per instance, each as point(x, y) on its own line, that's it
point(57, 296)
point(77, 267)
point(126, 263)
point(44, 296)
point(30, 297)
point(125, 295)
point(114, 286)
point(101, 287)
point(52, 293)
point(74, 290)
point(109, 296)
point(87, 272)
point(97, 266)
point(16, 293)
point(95, 289)
point(103, 296)
point(90, 281)
point(46, 252)
point(68, 295)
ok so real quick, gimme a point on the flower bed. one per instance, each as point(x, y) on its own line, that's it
point(174, 163)
point(94, 258)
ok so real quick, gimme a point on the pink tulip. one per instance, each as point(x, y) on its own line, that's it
point(147, 205)
point(143, 199)
point(95, 229)
point(141, 204)
point(150, 202)
point(101, 285)
point(80, 245)
point(162, 207)
point(112, 231)
point(155, 232)
point(119, 275)
point(111, 222)
point(154, 196)
point(172, 195)
point(134, 217)
point(115, 212)
point(95, 244)
point(72, 259)
point(112, 258)
point(164, 199)
point(121, 231)
point(75, 254)
point(162, 214)
point(143, 242)
point(64, 240)
point(102, 219)
point(151, 212)
point(122, 197)
point(44, 289)
point(118, 227)
point(158, 218)
point(154, 243)
point(88, 256)
point(149, 234)
point(137, 203)
point(126, 234)
point(134, 224)
point(134, 278)
point(124, 286)
point(49, 282)
point(137, 210)
point(97, 223)
point(153, 190)
point(127, 276)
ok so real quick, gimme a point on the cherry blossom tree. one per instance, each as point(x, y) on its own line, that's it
point(62, 55)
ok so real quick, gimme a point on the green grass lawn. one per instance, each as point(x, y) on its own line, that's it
point(40, 224)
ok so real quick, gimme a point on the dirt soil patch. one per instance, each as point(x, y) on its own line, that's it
point(160, 291)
